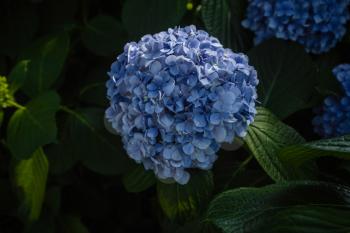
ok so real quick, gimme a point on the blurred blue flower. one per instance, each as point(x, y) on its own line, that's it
point(333, 117)
point(342, 72)
point(316, 24)
point(175, 96)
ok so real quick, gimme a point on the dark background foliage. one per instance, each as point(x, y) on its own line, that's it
point(62, 171)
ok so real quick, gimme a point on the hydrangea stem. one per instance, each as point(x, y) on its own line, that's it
point(15, 104)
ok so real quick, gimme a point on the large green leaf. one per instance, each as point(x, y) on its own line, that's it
point(146, 17)
point(295, 207)
point(104, 35)
point(47, 57)
point(60, 160)
point(33, 125)
point(18, 75)
point(217, 19)
point(311, 219)
point(287, 76)
point(266, 136)
point(186, 201)
point(30, 178)
point(138, 179)
point(93, 91)
point(297, 155)
point(222, 18)
point(92, 144)
point(95, 94)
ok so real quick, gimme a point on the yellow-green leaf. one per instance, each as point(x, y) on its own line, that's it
point(30, 178)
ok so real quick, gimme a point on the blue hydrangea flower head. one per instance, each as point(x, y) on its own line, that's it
point(316, 24)
point(333, 117)
point(175, 96)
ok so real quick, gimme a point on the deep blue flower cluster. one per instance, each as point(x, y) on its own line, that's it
point(316, 24)
point(175, 96)
point(342, 73)
point(333, 118)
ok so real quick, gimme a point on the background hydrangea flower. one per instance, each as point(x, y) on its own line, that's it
point(342, 73)
point(334, 117)
point(175, 96)
point(316, 24)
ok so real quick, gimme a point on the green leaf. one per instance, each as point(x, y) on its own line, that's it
point(216, 16)
point(18, 75)
point(18, 23)
point(138, 179)
point(184, 202)
point(47, 57)
point(92, 144)
point(60, 155)
point(94, 93)
point(30, 178)
point(152, 16)
point(242, 39)
point(104, 35)
point(266, 136)
point(33, 125)
point(297, 155)
point(298, 207)
point(222, 19)
point(287, 76)
point(311, 219)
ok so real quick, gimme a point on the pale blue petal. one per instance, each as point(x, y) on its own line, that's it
point(188, 148)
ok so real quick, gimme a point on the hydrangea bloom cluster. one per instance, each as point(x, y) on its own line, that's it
point(342, 73)
point(316, 24)
point(175, 96)
point(333, 118)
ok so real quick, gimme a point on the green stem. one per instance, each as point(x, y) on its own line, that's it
point(15, 104)
point(67, 110)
